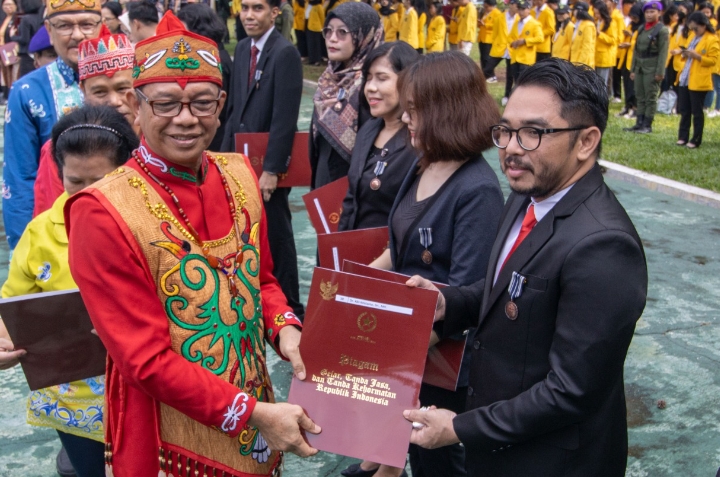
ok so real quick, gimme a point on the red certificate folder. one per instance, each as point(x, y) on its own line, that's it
point(442, 367)
point(54, 329)
point(254, 145)
point(362, 246)
point(9, 54)
point(364, 345)
point(324, 205)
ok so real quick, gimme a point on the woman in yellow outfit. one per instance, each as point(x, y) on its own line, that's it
point(299, 26)
point(467, 26)
point(435, 41)
point(563, 35)
point(88, 144)
point(582, 44)
point(627, 46)
point(678, 40)
point(313, 33)
point(409, 26)
point(390, 20)
point(422, 12)
point(695, 79)
point(605, 41)
point(453, 40)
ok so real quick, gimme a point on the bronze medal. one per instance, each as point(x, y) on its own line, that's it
point(375, 183)
point(511, 310)
point(426, 257)
point(338, 106)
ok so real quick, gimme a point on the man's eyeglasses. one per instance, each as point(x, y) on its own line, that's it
point(170, 109)
point(528, 137)
point(340, 32)
point(67, 28)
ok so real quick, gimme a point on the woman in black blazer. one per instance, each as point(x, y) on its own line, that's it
point(381, 156)
point(444, 220)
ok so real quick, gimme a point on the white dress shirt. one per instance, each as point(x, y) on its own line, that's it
point(260, 44)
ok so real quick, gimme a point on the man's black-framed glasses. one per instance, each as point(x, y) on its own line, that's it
point(528, 137)
point(170, 109)
point(87, 27)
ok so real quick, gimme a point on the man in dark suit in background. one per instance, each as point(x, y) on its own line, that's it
point(566, 283)
point(265, 97)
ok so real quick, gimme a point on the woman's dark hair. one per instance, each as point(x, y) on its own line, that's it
point(668, 13)
point(301, 3)
point(31, 6)
point(448, 96)
point(582, 92)
point(420, 7)
point(699, 18)
point(680, 22)
point(143, 11)
point(581, 11)
point(399, 54)
point(114, 7)
point(636, 11)
point(705, 5)
point(604, 13)
point(201, 19)
point(92, 130)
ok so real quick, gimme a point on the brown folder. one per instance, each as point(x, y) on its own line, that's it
point(324, 205)
point(361, 246)
point(54, 329)
point(442, 367)
point(9, 53)
point(254, 145)
point(364, 345)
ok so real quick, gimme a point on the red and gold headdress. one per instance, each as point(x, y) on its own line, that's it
point(104, 55)
point(175, 54)
point(56, 7)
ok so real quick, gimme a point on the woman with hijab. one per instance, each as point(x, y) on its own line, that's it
point(352, 30)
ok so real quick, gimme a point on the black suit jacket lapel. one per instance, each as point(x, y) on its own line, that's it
point(242, 59)
point(363, 146)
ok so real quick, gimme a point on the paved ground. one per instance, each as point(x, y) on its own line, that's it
point(674, 356)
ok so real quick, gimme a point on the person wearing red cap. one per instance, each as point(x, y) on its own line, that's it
point(105, 72)
point(170, 254)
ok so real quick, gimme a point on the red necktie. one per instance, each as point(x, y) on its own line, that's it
point(527, 225)
point(253, 63)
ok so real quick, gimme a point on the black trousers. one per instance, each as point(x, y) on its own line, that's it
point(629, 87)
point(617, 82)
point(690, 104)
point(509, 80)
point(86, 455)
point(542, 56)
point(446, 461)
point(489, 68)
point(484, 54)
point(669, 80)
point(315, 42)
point(517, 70)
point(301, 43)
point(282, 247)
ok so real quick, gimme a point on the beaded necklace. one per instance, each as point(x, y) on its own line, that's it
point(215, 262)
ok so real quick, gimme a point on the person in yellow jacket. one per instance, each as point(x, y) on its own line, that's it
point(501, 29)
point(409, 26)
point(467, 26)
point(457, 10)
point(299, 26)
point(435, 41)
point(485, 31)
point(628, 47)
point(678, 41)
point(390, 20)
point(526, 34)
point(88, 144)
point(713, 113)
point(605, 41)
point(695, 79)
point(619, 20)
point(421, 8)
point(563, 35)
point(582, 44)
point(546, 16)
point(313, 32)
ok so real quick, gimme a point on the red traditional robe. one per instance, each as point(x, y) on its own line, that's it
point(120, 293)
point(48, 186)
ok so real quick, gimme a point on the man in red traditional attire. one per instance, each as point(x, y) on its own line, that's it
point(171, 257)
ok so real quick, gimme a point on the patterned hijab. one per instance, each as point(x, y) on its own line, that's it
point(337, 99)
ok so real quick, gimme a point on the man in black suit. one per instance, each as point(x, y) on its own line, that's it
point(566, 283)
point(265, 97)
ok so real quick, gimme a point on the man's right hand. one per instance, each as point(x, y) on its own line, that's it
point(417, 281)
point(281, 424)
point(9, 356)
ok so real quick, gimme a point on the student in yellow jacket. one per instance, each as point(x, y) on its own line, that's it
point(546, 16)
point(453, 41)
point(390, 20)
point(501, 30)
point(299, 26)
point(695, 79)
point(435, 41)
point(627, 46)
point(409, 26)
point(422, 12)
point(582, 45)
point(678, 41)
point(525, 35)
point(467, 26)
point(619, 20)
point(563, 35)
point(485, 30)
point(313, 32)
point(605, 41)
